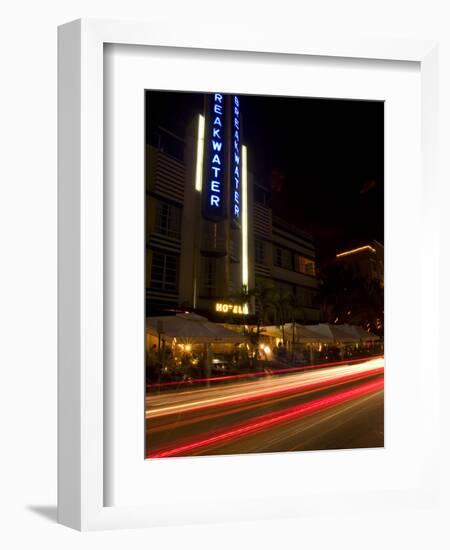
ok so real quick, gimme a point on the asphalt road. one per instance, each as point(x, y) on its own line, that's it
point(331, 408)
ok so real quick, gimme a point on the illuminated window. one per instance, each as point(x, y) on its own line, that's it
point(306, 266)
point(164, 272)
point(167, 219)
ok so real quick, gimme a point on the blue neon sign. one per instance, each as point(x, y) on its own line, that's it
point(235, 159)
point(222, 193)
point(215, 173)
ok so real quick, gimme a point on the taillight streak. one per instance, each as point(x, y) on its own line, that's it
point(220, 402)
point(272, 419)
point(262, 373)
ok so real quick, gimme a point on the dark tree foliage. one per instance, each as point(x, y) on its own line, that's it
point(346, 297)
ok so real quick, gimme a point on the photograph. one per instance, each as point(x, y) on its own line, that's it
point(264, 274)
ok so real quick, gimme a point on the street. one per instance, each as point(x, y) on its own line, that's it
point(335, 407)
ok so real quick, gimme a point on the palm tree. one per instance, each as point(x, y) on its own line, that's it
point(264, 300)
point(282, 302)
point(242, 297)
point(263, 294)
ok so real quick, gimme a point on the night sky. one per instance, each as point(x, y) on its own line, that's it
point(322, 160)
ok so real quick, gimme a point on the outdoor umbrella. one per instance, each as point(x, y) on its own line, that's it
point(360, 333)
point(272, 331)
point(342, 335)
point(306, 334)
point(327, 333)
point(193, 328)
point(322, 332)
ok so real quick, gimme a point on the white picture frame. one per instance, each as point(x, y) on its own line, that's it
point(81, 482)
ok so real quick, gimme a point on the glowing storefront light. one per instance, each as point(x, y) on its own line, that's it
point(200, 148)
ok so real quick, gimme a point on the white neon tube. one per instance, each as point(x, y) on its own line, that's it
point(200, 149)
point(244, 219)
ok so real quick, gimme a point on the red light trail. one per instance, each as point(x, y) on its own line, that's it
point(263, 373)
point(271, 419)
point(323, 384)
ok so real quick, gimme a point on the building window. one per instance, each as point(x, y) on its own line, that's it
point(285, 289)
point(259, 252)
point(168, 143)
point(235, 245)
point(167, 219)
point(306, 298)
point(164, 272)
point(213, 237)
point(306, 266)
point(209, 276)
point(283, 258)
point(261, 196)
point(278, 257)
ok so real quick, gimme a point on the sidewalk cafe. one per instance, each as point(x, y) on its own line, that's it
point(187, 345)
point(310, 344)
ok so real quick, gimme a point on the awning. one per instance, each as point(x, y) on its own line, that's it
point(271, 330)
point(191, 328)
point(360, 333)
point(327, 333)
point(305, 335)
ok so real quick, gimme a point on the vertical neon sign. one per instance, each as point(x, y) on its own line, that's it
point(235, 160)
point(214, 202)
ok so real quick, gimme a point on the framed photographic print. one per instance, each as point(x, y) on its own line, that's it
point(237, 224)
point(237, 360)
